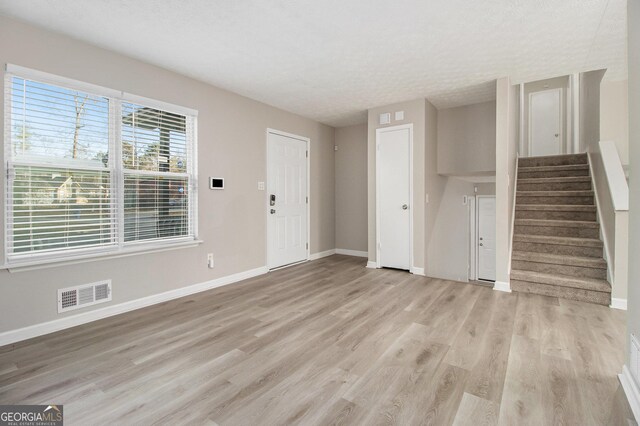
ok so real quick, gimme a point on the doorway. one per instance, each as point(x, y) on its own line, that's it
point(287, 199)
point(486, 241)
point(545, 123)
point(394, 189)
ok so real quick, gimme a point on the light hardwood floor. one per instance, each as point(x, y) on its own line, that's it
point(330, 342)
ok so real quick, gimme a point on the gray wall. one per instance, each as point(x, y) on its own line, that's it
point(435, 186)
point(633, 298)
point(590, 108)
point(351, 187)
point(467, 139)
point(614, 116)
point(232, 144)
point(449, 253)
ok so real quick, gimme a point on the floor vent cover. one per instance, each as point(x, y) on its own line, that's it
point(71, 298)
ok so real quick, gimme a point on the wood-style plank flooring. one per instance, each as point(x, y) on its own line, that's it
point(331, 342)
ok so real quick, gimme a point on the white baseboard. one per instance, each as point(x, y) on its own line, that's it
point(417, 271)
point(372, 265)
point(24, 333)
point(320, 255)
point(355, 253)
point(618, 304)
point(631, 389)
point(502, 286)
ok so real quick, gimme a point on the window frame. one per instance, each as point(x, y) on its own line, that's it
point(118, 247)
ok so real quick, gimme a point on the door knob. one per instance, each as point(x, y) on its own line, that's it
point(273, 211)
point(404, 207)
point(480, 244)
point(480, 238)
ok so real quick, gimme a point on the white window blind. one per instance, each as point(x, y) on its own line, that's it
point(93, 173)
point(156, 182)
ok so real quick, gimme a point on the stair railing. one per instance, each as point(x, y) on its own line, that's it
point(612, 199)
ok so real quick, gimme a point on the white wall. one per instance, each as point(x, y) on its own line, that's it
point(614, 116)
point(232, 143)
point(633, 298)
point(507, 133)
point(467, 139)
point(351, 187)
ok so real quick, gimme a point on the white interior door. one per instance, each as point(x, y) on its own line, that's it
point(394, 196)
point(545, 121)
point(287, 200)
point(486, 207)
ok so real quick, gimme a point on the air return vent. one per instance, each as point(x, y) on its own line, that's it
point(71, 298)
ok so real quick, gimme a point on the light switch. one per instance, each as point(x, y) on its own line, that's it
point(260, 186)
point(385, 118)
point(399, 115)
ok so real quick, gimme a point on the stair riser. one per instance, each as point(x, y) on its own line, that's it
point(555, 215)
point(550, 268)
point(555, 186)
point(580, 251)
point(573, 200)
point(563, 160)
point(555, 173)
point(557, 231)
point(580, 295)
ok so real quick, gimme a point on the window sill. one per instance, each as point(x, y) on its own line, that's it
point(94, 257)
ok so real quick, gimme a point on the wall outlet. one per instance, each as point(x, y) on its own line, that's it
point(210, 260)
point(260, 186)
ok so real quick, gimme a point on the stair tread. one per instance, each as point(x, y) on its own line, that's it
point(557, 193)
point(569, 241)
point(561, 179)
point(560, 259)
point(558, 207)
point(557, 223)
point(591, 284)
point(553, 168)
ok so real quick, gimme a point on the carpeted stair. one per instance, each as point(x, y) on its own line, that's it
point(556, 243)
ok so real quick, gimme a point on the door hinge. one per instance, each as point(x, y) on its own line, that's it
point(306, 154)
point(307, 199)
point(307, 246)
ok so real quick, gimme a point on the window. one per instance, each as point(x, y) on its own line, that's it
point(91, 170)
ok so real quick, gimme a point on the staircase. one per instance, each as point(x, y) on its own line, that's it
point(556, 243)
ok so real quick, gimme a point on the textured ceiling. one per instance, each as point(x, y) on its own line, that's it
point(331, 60)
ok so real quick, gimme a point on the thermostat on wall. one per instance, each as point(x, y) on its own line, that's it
point(216, 183)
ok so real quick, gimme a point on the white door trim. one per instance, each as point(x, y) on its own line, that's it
point(561, 121)
point(574, 83)
point(477, 232)
point(266, 192)
point(473, 239)
point(379, 131)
